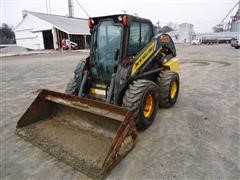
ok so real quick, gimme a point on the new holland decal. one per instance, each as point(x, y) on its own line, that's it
point(143, 58)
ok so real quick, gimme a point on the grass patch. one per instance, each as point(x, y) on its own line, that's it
point(28, 49)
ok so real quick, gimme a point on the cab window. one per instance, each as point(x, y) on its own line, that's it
point(140, 35)
point(134, 38)
point(145, 34)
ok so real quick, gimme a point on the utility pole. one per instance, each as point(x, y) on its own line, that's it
point(70, 8)
point(158, 25)
point(47, 6)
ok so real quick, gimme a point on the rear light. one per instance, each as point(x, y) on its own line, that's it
point(90, 23)
point(124, 20)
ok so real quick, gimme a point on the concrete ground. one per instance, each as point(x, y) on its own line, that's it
point(13, 50)
point(199, 138)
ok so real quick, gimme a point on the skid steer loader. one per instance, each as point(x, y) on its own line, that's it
point(116, 91)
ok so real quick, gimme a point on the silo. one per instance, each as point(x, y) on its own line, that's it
point(235, 27)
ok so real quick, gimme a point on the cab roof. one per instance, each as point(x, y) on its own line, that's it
point(115, 18)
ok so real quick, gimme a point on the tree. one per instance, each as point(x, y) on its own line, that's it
point(165, 29)
point(7, 36)
point(172, 25)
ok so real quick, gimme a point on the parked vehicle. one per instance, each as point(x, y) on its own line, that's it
point(235, 42)
point(66, 44)
point(209, 41)
point(196, 41)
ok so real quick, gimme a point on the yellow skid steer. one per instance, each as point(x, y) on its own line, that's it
point(131, 71)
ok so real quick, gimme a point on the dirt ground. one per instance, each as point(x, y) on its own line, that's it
point(199, 138)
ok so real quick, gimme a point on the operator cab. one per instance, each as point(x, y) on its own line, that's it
point(115, 38)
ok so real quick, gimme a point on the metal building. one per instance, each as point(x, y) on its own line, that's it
point(184, 33)
point(46, 31)
point(235, 24)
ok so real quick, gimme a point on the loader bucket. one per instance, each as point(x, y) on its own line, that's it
point(89, 135)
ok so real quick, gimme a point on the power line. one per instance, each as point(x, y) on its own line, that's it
point(207, 21)
point(83, 8)
point(230, 12)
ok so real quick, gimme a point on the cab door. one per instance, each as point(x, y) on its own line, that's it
point(140, 34)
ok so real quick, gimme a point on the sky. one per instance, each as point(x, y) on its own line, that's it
point(203, 14)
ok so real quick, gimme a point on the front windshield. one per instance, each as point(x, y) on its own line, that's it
point(106, 49)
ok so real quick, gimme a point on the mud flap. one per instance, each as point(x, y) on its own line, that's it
point(88, 135)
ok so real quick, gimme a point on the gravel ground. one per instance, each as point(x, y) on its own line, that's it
point(199, 138)
point(18, 50)
point(13, 49)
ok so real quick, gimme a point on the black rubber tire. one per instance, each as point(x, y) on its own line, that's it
point(73, 85)
point(237, 47)
point(164, 81)
point(135, 97)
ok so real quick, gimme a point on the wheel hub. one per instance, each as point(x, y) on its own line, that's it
point(149, 106)
point(173, 90)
